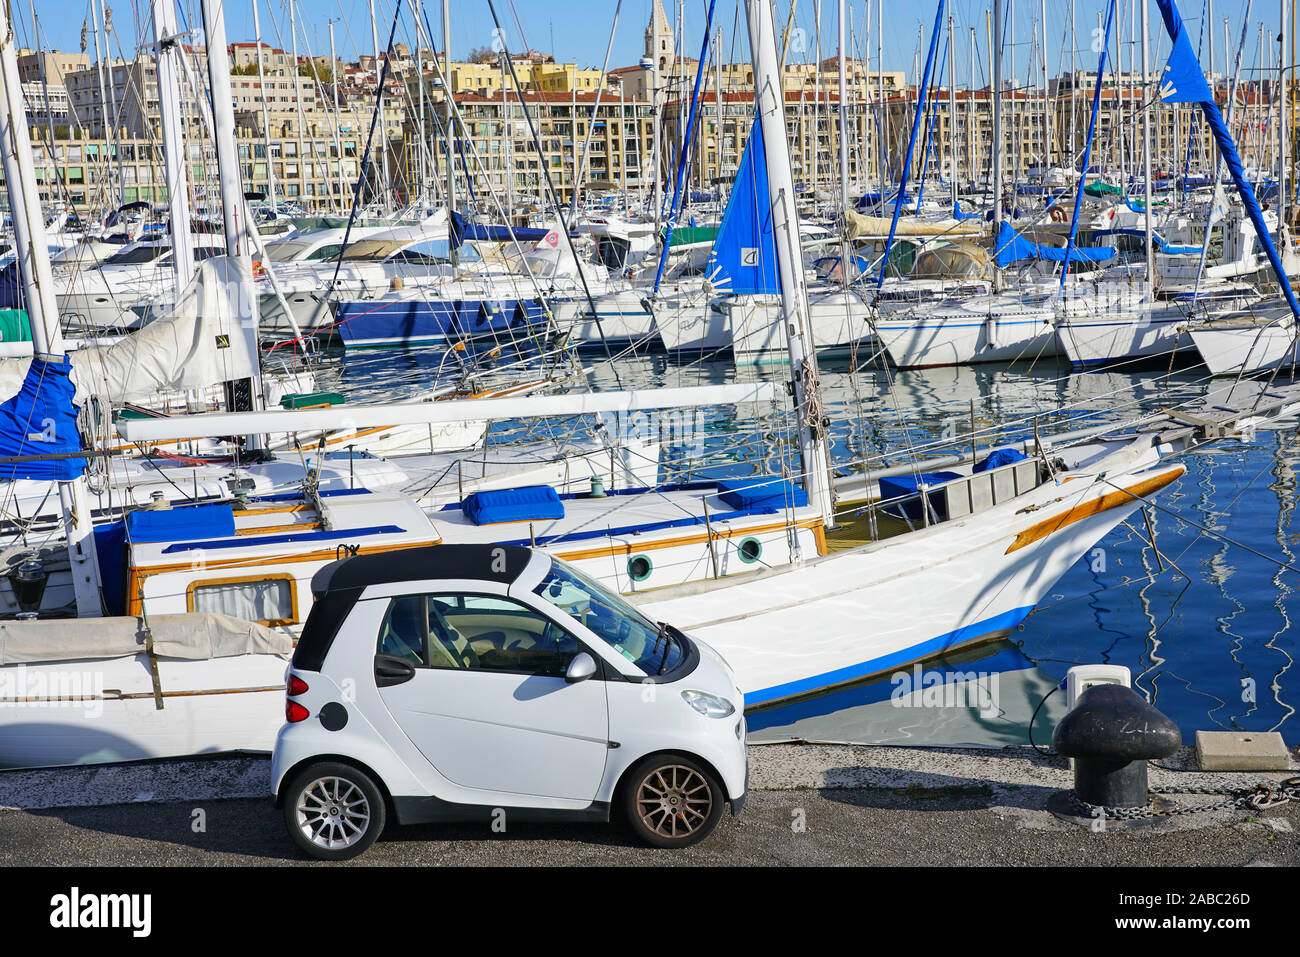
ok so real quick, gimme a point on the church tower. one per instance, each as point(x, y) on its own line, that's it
point(659, 38)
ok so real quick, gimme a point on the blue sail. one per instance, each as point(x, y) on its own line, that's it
point(1012, 247)
point(41, 420)
point(743, 260)
point(1183, 82)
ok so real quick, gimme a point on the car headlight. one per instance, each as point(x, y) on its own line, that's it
point(709, 705)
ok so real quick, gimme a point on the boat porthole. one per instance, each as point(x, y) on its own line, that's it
point(751, 550)
point(639, 568)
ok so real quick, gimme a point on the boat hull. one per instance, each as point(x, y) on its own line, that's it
point(855, 615)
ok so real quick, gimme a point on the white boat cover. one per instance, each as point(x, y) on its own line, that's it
point(194, 637)
point(857, 226)
point(205, 340)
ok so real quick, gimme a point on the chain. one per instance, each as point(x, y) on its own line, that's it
point(1259, 797)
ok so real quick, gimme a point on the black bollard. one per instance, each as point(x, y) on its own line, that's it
point(1111, 734)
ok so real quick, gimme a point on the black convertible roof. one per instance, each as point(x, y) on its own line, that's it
point(338, 585)
point(499, 563)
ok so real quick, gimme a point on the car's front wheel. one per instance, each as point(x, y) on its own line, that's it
point(333, 811)
point(672, 801)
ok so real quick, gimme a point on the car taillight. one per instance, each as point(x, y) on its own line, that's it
point(293, 712)
point(296, 686)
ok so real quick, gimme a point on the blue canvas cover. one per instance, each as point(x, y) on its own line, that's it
point(743, 260)
point(999, 457)
point(529, 503)
point(462, 229)
point(759, 492)
point(110, 553)
point(1013, 247)
point(907, 489)
point(181, 523)
point(41, 420)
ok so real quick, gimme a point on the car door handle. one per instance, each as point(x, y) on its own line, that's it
point(391, 670)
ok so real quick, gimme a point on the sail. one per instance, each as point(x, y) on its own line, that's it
point(1183, 82)
point(204, 341)
point(1012, 247)
point(743, 260)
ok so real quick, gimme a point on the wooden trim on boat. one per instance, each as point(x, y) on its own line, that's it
point(276, 529)
point(109, 695)
point(1102, 503)
point(136, 577)
point(611, 551)
point(273, 510)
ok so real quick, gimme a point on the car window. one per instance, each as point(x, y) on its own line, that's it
point(476, 633)
point(404, 633)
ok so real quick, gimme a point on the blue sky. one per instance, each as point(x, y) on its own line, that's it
point(580, 29)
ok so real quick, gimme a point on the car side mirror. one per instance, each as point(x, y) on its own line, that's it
point(582, 667)
point(391, 670)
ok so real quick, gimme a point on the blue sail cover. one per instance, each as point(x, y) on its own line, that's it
point(1012, 247)
point(743, 260)
point(1184, 82)
point(462, 229)
point(41, 420)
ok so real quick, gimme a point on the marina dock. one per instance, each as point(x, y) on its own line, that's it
point(810, 804)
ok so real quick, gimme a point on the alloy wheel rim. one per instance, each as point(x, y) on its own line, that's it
point(333, 813)
point(674, 801)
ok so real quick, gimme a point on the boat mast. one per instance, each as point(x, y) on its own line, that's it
point(1146, 160)
point(996, 55)
point(1283, 134)
point(383, 123)
point(112, 101)
point(266, 117)
point(970, 115)
point(100, 65)
point(1047, 112)
point(769, 106)
point(843, 91)
point(38, 290)
point(167, 53)
point(338, 133)
point(449, 110)
point(297, 96)
point(656, 198)
point(952, 110)
point(234, 212)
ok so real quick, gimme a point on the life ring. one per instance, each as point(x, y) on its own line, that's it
point(258, 269)
point(1057, 214)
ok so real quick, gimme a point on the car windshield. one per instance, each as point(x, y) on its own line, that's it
point(655, 649)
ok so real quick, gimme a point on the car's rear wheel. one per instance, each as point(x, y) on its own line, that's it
point(672, 801)
point(333, 811)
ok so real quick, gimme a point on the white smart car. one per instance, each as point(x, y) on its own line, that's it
point(498, 684)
